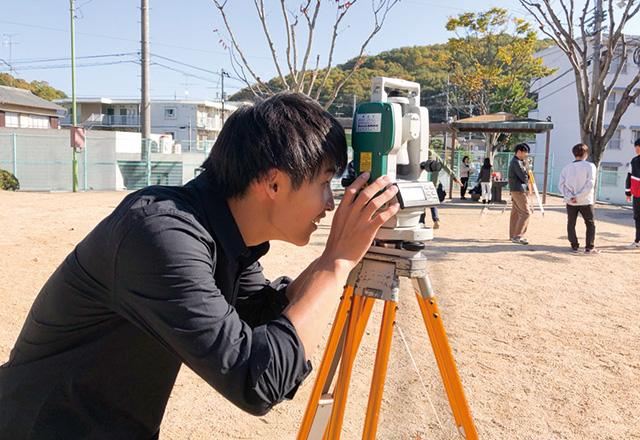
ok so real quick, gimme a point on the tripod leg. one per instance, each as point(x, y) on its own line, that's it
point(379, 370)
point(444, 358)
point(361, 309)
point(326, 363)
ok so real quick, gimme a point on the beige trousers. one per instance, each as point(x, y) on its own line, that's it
point(520, 214)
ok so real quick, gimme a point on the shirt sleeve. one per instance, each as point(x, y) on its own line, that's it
point(627, 183)
point(589, 184)
point(260, 301)
point(165, 286)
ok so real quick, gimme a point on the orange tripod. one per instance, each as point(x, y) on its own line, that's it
point(377, 277)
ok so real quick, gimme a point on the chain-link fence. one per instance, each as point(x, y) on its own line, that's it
point(109, 161)
point(117, 161)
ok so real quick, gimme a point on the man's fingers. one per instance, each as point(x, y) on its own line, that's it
point(351, 191)
point(377, 202)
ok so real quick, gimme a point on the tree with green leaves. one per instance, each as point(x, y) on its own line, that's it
point(38, 88)
point(597, 59)
point(491, 65)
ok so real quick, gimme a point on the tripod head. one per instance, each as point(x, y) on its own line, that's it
point(390, 136)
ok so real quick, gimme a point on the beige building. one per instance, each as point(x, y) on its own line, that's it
point(19, 108)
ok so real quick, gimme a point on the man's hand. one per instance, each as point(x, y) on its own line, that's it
point(354, 227)
point(357, 219)
point(573, 200)
point(628, 199)
point(459, 182)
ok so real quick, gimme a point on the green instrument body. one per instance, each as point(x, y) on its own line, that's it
point(372, 138)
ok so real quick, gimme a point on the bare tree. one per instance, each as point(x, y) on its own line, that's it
point(570, 29)
point(295, 73)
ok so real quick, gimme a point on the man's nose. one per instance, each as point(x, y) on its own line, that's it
point(330, 202)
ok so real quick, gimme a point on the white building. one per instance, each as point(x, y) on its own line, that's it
point(194, 124)
point(557, 98)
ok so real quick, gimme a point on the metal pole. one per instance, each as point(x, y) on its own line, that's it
point(145, 113)
point(84, 164)
point(74, 121)
point(453, 146)
point(15, 155)
point(546, 169)
point(147, 143)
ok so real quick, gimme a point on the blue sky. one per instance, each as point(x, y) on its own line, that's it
point(185, 49)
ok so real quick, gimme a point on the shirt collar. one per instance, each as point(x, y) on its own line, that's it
point(219, 221)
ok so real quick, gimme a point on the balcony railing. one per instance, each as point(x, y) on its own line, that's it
point(97, 119)
point(209, 124)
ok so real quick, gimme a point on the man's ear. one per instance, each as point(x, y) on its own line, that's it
point(271, 184)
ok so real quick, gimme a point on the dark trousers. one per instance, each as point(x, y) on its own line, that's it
point(636, 216)
point(587, 215)
point(434, 215)
point(463, 188)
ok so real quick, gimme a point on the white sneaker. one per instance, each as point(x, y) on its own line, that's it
point(635, 244)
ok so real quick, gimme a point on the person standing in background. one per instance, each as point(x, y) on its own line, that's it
point(577, 182)
point(632, 191)
point(465, 173)
point(484, 177)
point(520, 189)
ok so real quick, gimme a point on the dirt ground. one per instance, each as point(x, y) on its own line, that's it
point(547, 342)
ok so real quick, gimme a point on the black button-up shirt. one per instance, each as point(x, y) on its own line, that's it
point(165, 279)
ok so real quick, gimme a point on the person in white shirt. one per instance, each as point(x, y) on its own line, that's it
point(577, 182)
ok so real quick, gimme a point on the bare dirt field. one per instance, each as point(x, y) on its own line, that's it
point(547, 342)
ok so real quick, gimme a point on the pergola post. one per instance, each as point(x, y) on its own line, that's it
point(453, 146)
point(546, 169)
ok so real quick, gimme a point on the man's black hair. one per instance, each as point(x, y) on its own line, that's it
point(287, 131)
point(637, 142)
point(522, 147)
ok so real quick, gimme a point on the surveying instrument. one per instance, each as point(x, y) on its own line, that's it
point(390, 136)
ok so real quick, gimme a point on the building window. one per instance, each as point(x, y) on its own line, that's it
point(36, 121)
point(635, 134)
point(609, 175)
point(614, 143)
point(612, 101)
point(11, 120)
point(170, 113)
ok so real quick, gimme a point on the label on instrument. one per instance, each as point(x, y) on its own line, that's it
point(365, 161)
point(369, 122)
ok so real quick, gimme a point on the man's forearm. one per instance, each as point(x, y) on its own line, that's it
point(315, 301)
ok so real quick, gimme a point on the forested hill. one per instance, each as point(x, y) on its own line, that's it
point(38, 88)
point(426, 65)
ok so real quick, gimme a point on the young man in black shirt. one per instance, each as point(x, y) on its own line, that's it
point(172, 276)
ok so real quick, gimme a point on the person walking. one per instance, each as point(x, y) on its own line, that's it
point(577, 183)
point(484, 177)
point(520, 189)
point(632, 191)
point(465, 173)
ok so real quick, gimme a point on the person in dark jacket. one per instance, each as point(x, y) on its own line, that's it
point(173, 277)
point(484, 177)
point(632, 191)
point(520, 191)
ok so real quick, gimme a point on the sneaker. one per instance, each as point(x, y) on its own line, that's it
point(519, 240)
point(574, 248)
point(436, 224)
point(484, 202)
point(635, 244)
point(592, 251)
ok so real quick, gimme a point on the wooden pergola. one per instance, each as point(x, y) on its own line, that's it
point(502, 123)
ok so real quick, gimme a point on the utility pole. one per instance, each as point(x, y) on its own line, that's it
point(145, 113)
point(74, 162)
point(8, 41)
point(354, 105)
point(446, 108)
point(597, 48)
point(222, 75)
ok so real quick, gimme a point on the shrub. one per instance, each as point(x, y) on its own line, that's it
point(8, 181)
